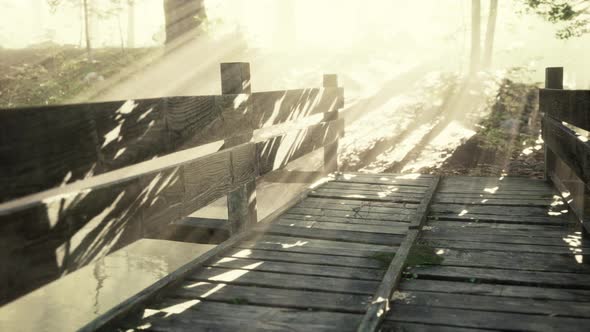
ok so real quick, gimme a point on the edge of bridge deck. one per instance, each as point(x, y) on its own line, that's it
point(357, 233)
point(177, 276)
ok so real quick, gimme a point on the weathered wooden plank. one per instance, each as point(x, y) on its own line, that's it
point(483, 319)
point(129, 132)
point(299, 268)
point(495, 304)
point(466, 210)
point(374, 187)
point(248, 277)
point(389, 326)
point(497, 201)
point(381, 300)
point(276, 152)
point(396, 215)
point(207, 179)
point(502, 181)
point(512, 277)
point(501, 195)
point(526, 292)
point(314, 246)
point(311, 224)
point(352, 217)
point(566, 145)
point(467, 229)
point(356, 197)
point(347, 203)
point(169, 281)
point(415, 180)
point(346, 236)
point(274, 107)
point(357, 221)
point(306, 258)
point(368, 193)
point(277, 297)
point(474, 236)
point(512, 260)
point(213, 316)
point(164, 191)
point(459, 216)
point(571, 106)
point(196, 120)
point(474, 245)
point(57, 235)
point(489, 226)
point(43, 148)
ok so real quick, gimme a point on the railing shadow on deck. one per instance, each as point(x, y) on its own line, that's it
point(80, 181)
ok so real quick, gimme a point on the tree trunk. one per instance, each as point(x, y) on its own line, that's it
point(490, 31)
point(87, 29)
point(130, 23)
point(183, 17)
point(475, 36)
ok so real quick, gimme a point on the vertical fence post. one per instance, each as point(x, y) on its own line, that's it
point(241, 203)
point(331, 150)
point(553, 80)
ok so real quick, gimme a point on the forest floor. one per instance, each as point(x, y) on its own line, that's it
point(53, 75)
point(452, 125)
point(445, 125)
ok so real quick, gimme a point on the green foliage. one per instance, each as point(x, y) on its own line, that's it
point(572, 15)
point(384, 258)
point(239, 301)
point(422, 254)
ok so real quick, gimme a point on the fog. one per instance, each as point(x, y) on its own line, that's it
point(365, 40)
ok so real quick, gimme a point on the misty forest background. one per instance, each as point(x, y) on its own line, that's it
point(445, 87)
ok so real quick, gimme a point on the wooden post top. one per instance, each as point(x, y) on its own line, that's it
point(330, 81)
point(554, 78)
point(235, 78)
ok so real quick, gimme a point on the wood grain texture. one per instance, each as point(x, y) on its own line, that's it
point(571, 106)
point(248, 277)
point(212, 316)
point(483, 319)
point(273, 297)
point(299, 268)
point(43, 147)
point(316, 246)
point(380, 305)
point(565, 144)
point(278, 151)
point(470, 288)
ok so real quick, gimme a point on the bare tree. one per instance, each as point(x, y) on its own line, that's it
point(490, 31)
point(183, 17)
point(475, 36)
point(130, 23)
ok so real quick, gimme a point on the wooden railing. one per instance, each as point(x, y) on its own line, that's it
point(79, 181)
point(566, 121)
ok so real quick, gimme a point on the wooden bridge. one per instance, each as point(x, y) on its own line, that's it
point(353, 252)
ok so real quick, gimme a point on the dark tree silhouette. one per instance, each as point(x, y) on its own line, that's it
point(183, 17)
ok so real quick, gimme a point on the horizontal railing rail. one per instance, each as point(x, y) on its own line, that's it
point(169, 168)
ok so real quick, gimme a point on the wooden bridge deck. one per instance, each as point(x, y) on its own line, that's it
point(512, 258)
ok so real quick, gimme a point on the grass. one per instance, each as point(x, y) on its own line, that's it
point(384, 258)
point(53, 76)
point(420, 254)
